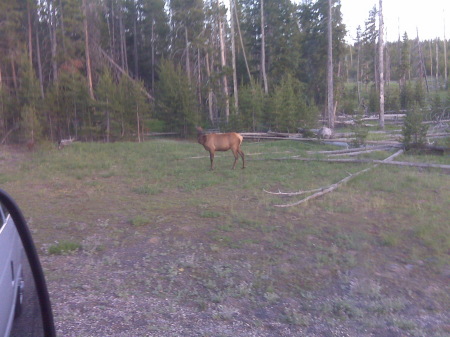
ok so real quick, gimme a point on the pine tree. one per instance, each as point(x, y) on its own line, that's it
point(107, 94)
point(176, 99)
point(405, 60)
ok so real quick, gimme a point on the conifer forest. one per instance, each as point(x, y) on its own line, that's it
point(109, 70)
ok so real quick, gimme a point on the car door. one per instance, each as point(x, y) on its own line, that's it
point(11, 254)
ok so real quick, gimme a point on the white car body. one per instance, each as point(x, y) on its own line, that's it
point(11, 273)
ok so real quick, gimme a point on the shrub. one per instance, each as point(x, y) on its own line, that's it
point(360, 131)
point(414, 131)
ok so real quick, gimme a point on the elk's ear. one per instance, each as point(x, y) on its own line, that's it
point(199, 129)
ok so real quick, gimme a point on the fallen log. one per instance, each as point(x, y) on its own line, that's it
point(432, 149)
point(321, 191)
point(366, 161)
point(325, 190)
point(353, 150)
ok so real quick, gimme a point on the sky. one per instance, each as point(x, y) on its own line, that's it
point(426, 16)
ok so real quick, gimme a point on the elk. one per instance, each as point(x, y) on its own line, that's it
point(221, 142)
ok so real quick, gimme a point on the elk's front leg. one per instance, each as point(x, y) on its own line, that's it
point(211, 158)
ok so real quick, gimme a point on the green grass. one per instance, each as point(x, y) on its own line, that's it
point(204, 237)
point(139, 220)
point(64, 247)
point(210, 214)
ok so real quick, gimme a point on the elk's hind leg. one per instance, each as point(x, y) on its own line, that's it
point(242, 156)
point(236, 157)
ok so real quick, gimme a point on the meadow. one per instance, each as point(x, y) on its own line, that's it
point(142, 239)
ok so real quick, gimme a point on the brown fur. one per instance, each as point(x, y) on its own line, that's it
point(221, 142)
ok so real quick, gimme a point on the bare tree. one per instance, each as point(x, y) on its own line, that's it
point(445, 56)
point(53, 42)
point(210, 91)
point(87, 50)
point(330, 89)
point(30, 35)
point(223, 64)
point(39, 64)
point(381, 62)
point(188, 61)
point(437, 62)
point(123, 43)
point(233, 58)
point(152, 43)
point(135, 47)
point(431, 59)
point(263, 51)
point(242, 43)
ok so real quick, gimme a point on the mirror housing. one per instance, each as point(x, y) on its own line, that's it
point(31, 255)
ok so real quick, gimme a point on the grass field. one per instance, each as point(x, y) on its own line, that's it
point(143, 240)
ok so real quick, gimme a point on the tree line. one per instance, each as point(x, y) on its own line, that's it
point(118, 69)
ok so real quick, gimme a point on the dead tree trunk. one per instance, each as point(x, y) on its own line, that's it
point(87, 51)
point(437, 63)
point(39, 63)
point(358, 72)
point(330, 105)
point(123, 44)
point(152, 43)
point(263, 51)
point(223, 65)
point(445, 58)
point(30, 35)
point(242, 44)
point(188, 61)
point(53, 44)
point(210, 92)
point(233, 58)
point(431, 60)
point(381, 63)
point(135, 48)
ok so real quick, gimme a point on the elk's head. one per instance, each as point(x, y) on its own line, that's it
point(201, 137)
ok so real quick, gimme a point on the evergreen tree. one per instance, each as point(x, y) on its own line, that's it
point(176, 99)
point(419, 93)
point(392, 99)
point(406, 96)
point(133, 108)
point(288, 108)
point(414, 131)
point(107, 95)
point(369, 55)
point(252, 102)
point(405, 61)
point(30, 101)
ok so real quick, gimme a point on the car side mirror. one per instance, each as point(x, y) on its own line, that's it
point(25, 308)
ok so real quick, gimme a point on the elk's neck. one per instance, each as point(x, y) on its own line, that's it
point(201, 138)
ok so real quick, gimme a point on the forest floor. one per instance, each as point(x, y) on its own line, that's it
point(143, 240)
